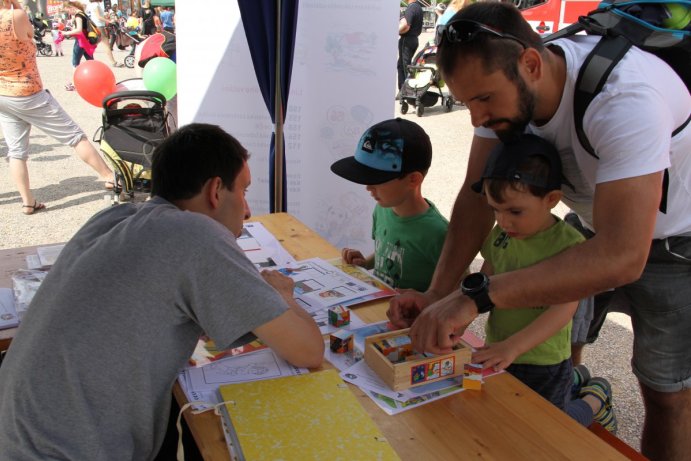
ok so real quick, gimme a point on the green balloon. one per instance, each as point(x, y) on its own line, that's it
point(160, 75)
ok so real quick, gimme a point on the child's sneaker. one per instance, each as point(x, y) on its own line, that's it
point(602, 390)
point(581, 375)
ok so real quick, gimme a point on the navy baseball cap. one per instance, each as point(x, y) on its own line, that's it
point(387, 151)
point(505, 158)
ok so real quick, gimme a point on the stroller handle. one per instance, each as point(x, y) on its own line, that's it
point(153, 96)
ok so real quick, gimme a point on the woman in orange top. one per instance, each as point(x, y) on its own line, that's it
point(24, 103)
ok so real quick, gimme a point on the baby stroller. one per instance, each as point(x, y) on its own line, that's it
point(418, 88)
point(42, 47)
point(135, 122)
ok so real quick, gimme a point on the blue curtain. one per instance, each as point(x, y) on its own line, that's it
point(259, 18)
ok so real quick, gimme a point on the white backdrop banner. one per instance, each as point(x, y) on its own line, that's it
point(343, 81)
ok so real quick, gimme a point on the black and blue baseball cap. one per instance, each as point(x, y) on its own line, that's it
point(505, 159)
point(386, 151)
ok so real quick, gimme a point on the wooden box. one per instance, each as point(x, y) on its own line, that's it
point(412, 373)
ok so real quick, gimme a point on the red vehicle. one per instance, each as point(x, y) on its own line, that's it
point(549, 16)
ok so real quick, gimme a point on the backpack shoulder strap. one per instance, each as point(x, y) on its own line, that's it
point(595, 70)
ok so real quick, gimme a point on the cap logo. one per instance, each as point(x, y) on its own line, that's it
point(368, 145)
point(381, 150)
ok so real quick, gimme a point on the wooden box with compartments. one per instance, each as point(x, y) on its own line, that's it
point(391, 357)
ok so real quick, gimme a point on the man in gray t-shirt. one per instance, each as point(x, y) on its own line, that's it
point(90, 373)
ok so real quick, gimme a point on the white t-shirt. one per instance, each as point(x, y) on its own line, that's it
point(92, 8)
point(629, 124)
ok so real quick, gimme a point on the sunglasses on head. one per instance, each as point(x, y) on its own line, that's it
point(465, 30)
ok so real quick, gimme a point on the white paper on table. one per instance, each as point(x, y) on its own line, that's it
point(262, 248)
point(321, 317)
point(8, 313)
point(255, 366)
point(319, 284)
point(49, 254)
point(33, 262)
point(394, 407)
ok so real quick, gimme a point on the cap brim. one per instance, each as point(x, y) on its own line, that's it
point(354, 171)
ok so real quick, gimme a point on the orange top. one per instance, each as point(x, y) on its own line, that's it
point(18, 70)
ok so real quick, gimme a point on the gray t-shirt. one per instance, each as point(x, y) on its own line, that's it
point(90, 373)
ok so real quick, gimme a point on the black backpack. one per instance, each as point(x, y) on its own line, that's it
point(622, 24)
point(90, 31)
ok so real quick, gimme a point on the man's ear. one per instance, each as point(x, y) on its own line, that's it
point(531, 62)
point(212, 191)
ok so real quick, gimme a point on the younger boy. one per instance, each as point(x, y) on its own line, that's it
point(522, 182)
point(392, 159)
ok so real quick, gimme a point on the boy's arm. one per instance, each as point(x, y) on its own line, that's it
point(500, 355)
point(355, 257)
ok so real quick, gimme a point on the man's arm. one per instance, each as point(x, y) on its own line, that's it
point(293, 335)
point(471, 221)
point(403, 26)
point(624, 214)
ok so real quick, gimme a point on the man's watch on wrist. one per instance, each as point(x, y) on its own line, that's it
point(476, 286)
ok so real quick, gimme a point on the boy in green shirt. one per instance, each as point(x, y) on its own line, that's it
point(392, 159)
point(522, 182)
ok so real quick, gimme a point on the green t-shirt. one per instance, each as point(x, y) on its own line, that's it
point(506, 255)
point(406, 250)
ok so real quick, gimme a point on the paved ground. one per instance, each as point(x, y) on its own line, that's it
point(72, 194)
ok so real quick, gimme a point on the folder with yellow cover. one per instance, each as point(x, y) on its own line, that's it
point(312, 416)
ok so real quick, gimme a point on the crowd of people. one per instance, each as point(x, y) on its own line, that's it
point(525, 158)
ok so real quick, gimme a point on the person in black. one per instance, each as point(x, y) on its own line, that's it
point(409, 29)
point(147, 15)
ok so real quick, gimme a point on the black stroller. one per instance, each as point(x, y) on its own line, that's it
point(42, 47)
point(135, 122)
point(423, 87)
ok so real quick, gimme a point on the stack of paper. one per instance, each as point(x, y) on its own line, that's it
point(8, 313)
point(200, 384)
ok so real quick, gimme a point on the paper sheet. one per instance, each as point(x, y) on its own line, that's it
point(8, 313)
point(262, 248)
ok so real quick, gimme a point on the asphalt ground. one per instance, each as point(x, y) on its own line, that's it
point(72, 194)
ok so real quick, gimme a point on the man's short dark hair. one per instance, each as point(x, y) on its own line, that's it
point(496, 53)
point(189, 157)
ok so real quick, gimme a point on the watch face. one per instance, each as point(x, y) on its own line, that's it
point(474, 282)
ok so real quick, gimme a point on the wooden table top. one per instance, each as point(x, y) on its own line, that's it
point(506, 420)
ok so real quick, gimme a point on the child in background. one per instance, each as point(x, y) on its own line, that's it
point(58, 38)
point(522, 182)
point(392, 159)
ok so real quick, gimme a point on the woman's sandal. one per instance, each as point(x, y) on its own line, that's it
point(69, 87)
point(31, 209)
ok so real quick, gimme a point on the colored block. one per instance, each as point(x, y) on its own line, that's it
point(339, 316)
point(341, 341)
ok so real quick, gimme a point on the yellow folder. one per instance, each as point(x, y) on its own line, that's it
point(306, 417)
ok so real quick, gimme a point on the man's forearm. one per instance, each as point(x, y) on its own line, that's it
point(471, 221)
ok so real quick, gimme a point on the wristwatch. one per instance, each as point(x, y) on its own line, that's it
point(476, 286)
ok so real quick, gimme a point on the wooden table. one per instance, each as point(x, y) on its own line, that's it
point(506, 420)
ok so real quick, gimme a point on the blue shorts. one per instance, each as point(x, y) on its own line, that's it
point(19, 113)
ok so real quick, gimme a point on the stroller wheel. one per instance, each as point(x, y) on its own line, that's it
point(404, 107)
point(129, 61)
point(448, 103)
point(420, 110)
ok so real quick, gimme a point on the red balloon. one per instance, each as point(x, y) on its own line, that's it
point(93, 81)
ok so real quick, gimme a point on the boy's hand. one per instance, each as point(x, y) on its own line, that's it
point(351, 256)
point(497, 356)
point(281, 283)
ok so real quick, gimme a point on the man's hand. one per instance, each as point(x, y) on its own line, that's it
point(355, 257)
point(406, 306)
point(440, 326)
point(497, 356)
point(281, 283)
